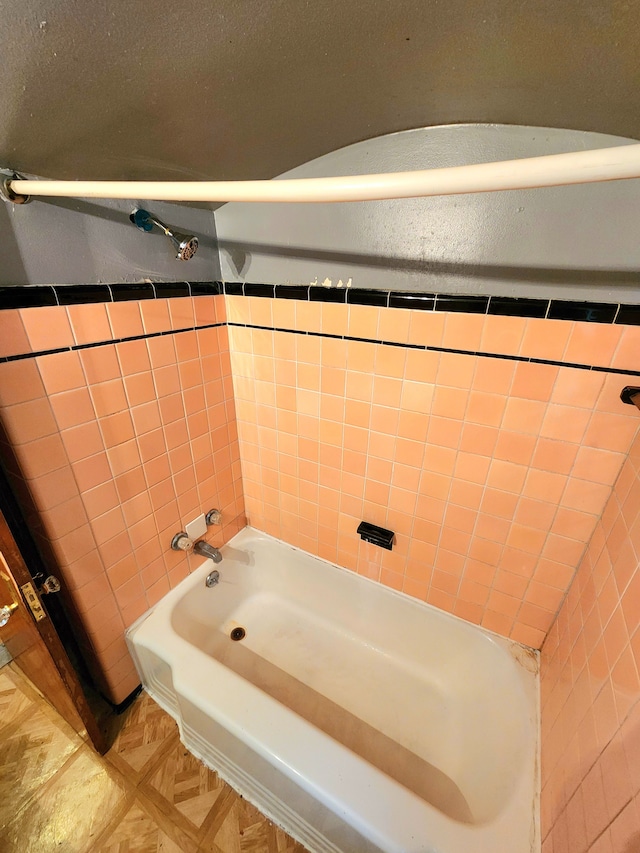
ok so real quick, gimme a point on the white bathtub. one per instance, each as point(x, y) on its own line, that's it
point(357, 718)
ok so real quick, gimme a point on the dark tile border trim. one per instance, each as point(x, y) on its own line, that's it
point(206, 288)
point(126, 702)
point(108, 343)
point(33, 296)
point(462, 304)
point(377, 298)
point(171, 290)
point(132, 292)
point(292, 291)
point(412, 301)
point(426, 348)
point(596, 312)
point(325, 294)
point(81, 294)
point(266, 291)
point(28, 296)
point(502, 306)
point(40, 296)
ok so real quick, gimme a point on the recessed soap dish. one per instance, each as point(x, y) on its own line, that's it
point(376, 535)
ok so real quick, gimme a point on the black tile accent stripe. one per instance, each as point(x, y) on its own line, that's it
point(628, 315)
point(292, 291)
point(327, 294)
point(263, 290)
point(426, 348)
point(23, 356)
point(38, 296)
point(81, 294)
point(113, 341)
point(506, 306)
point(589, 312)
point(463, 304)
point(206, 288)
point(32, 296)
point(171, 289)
point(27, 296)
point(379, 298)
point(232, 288)
point(132, 292)
point(412, 301)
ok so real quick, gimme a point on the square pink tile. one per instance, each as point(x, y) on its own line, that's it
point(13, 336)
point(47, 328)
point(90, 323)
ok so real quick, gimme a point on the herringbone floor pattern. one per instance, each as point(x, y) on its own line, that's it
point(147, 795)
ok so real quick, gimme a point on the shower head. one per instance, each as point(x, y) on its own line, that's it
point(186, 245)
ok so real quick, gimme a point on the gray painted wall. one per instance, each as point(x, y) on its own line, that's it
point(89, 241)
point(222, 88)
point(567, 242)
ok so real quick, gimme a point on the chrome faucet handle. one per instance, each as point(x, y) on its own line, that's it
point(181, 542)
point(214, 516)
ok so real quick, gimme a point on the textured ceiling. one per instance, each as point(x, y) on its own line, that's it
point(250, 88)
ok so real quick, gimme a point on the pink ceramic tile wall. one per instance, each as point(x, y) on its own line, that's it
point(120, 446)
point(590, 690)
point(492, 472)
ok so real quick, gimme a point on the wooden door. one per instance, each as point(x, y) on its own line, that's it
point(35, 645)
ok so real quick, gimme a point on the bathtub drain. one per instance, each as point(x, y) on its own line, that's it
point(237, 634)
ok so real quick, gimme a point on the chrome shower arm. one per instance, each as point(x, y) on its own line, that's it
point(161, 226)
point(186, 245)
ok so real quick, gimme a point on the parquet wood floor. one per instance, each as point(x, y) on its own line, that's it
point(146, 795)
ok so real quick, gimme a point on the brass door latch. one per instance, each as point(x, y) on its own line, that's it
point(33, 601)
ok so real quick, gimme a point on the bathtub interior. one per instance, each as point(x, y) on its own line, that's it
point(424, 698)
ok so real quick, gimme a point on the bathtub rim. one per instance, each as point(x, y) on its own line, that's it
point(527, 657)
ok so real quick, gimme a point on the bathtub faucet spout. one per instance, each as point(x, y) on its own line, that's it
point(205, 550)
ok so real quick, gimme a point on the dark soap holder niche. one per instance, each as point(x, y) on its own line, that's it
point(631, 395)
point(376, 535)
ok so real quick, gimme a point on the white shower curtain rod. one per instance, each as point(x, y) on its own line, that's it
point(578, 167)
